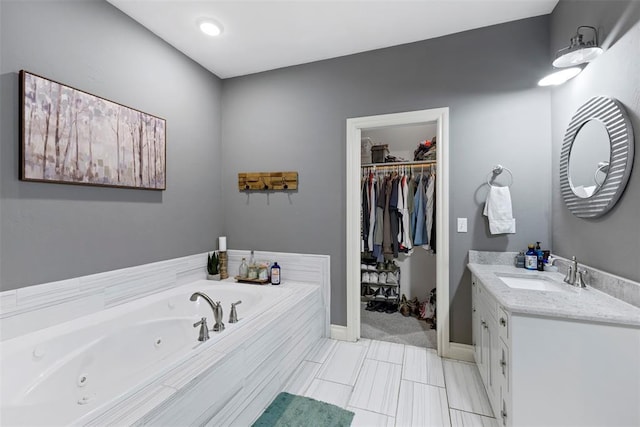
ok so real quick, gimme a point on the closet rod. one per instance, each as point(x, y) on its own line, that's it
point(395, 164)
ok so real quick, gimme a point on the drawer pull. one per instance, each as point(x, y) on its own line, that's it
point(503, 321)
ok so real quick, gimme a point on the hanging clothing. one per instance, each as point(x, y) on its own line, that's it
point(411, 206)
point(393, 216)
point(371, 191)
point(430, 207)
point(379, 232)
point(387, 247)
point(432, 236)
point(420, 236)
point(405, 241)
point(365, 215)
point(397, 213)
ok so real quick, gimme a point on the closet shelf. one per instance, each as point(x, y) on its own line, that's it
point(390, 285)
point(372, 298)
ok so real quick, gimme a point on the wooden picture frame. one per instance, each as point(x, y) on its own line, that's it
point(70, 136)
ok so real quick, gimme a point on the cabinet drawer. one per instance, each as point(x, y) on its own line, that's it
point(503, 325)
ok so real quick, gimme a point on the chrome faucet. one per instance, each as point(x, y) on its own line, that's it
point(204, 332)
point(572, 272)
point(580, 281)
point(216, 307)
point(233, 316)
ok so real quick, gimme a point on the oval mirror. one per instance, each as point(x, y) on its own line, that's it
point(589, 159)
point(596, 157)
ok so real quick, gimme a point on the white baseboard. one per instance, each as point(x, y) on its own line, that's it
point(339, 332)
point(462, 352)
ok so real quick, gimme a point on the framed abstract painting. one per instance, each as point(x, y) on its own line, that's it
point(70, 136)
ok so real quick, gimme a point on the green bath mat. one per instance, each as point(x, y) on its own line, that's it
point(288, 410)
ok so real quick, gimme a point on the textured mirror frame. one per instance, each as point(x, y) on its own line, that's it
point(614, 117)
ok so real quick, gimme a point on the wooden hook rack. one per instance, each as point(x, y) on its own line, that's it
point(267, 181)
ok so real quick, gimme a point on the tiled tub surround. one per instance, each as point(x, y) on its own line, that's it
point(553, 358)
point(140, 360)
point(302, 268)
point(34, 307)
point(230, 378)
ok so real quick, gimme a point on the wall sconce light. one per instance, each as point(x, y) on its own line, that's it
point(559, 77)
point(579, 51)
point(570, 58)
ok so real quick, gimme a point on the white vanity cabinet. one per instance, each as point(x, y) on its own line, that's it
point(555, 371)
point(490, 350)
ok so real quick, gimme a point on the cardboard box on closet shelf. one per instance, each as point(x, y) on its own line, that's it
point(379, 152)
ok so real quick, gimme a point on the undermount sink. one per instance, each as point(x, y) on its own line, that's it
point(533, 283)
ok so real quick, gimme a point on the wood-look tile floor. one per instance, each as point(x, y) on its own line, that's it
point(389, 384)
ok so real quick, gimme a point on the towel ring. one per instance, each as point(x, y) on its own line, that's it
point(497, 170)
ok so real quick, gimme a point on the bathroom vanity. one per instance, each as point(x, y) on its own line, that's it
point(552, 354)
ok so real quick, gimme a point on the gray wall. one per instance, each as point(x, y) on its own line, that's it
point(612, 242)
point(294, 119)
point(52, 231)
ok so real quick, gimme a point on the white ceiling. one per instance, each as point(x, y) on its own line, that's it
point(262, 35)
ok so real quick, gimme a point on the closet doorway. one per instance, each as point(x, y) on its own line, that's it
point(398, 244)
point(436, 120)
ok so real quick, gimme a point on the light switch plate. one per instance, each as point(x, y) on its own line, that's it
point(462, 225)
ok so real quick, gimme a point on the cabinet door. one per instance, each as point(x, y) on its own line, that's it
point(475, 323)
point(504, 369)
point(493, 369)
point(485, 348)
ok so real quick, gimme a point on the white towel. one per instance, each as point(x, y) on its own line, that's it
point(498, 209)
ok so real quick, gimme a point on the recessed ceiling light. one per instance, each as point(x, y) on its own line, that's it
point(560, 77)
point(210, 27)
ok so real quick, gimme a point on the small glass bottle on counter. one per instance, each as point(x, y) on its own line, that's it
point(252, 272)
point(244, 269)
point(263, 272)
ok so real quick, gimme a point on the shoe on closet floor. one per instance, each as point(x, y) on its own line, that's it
point(392, 307)
point(371, 305)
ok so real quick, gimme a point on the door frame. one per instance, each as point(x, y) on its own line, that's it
point(354, 130)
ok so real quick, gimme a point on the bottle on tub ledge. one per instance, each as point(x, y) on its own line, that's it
point(275, 274)
point(243, 271)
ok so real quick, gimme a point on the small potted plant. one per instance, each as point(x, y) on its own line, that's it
point(213, 266)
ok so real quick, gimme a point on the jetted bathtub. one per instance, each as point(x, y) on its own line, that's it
point(62, 374)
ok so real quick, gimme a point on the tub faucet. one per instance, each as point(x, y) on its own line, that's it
point(572, 271)
point(233, 316)
point(216, 307)
point(204, 331)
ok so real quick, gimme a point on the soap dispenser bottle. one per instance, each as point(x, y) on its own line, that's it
point(531, 259)
point(519, 261)
point(540, 257)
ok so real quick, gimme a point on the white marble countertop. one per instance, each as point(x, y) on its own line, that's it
point(573, 303)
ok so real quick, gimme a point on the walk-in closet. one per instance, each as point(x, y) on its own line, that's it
point(398, 234)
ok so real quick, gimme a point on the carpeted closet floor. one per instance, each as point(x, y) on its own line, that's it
point(394, 327)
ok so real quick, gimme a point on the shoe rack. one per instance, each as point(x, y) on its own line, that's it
point(379, 282)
